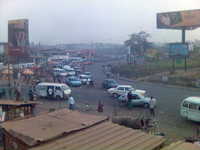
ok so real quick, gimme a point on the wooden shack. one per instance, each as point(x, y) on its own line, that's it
point(11, 110)
point(67, 130)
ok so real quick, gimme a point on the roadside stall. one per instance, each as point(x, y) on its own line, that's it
point(28, 73)
point(11, 110)
point(6, 73)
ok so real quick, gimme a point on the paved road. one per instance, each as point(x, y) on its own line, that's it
point(168, 100)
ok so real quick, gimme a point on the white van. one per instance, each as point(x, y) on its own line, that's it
point(190, 108)
point(52, 90)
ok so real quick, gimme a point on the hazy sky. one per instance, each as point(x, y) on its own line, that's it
point(83, 21)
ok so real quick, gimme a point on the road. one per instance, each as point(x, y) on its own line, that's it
point(168, 102)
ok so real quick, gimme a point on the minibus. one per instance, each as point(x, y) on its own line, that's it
point(190, 108)
point(53, 90)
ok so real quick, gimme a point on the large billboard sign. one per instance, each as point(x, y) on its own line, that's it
point(18, 37)
point(189, 19)
point(178, 49)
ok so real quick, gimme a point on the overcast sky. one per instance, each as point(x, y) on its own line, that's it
point(84, 21)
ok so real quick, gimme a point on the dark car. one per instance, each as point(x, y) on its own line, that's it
point(109, 83)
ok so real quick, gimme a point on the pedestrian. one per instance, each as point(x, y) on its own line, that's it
point(54, 78)
point(129, 96)
point(152, 104)
point(17, 93)
point(31, 97)
point(100, 107)
point(71, 103)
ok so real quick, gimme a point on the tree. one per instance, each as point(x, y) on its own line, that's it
point(138, 43)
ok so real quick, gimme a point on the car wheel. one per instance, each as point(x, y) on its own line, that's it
point(146, 105)
point(115, 95)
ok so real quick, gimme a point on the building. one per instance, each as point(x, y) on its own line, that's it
point(67, 130)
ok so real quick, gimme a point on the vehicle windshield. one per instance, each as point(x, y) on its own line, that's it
point(74, 79)
point(87, 73)
point(84, 77)
point(112, 82)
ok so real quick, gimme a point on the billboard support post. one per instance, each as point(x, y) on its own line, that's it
point(173, 64)
point(185, 63)
point(183, 41)
point(183, 36)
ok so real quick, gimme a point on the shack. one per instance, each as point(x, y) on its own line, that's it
point(10, 110)
point(66, 130)
point(182, 145)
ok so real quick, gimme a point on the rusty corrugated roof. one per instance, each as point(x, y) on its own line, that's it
point(17, 103)
point(105, 136)
point(181, 145)
point(49, 126)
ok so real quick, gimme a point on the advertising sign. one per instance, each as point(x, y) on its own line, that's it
point(189, 19)
point(178, 49)
point(18, 37)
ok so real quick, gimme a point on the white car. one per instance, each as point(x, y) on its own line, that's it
point(70, 71)
point(58, 71)
point(120, 90)
point(84, 78)
point(137, 99)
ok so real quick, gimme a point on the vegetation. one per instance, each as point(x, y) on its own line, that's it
point(155, 66)
point(138, 43)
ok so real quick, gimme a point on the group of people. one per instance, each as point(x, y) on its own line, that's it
point(72, 102)
point(152, 103)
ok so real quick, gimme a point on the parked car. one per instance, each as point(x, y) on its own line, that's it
point(190, 108)
point(120, 90)
point(70, 71)
point(59, 72)
point(109, 83)
point(73, 81)
point(84, 78)
point(52, 90)
point(137, 99)
point(88, 74)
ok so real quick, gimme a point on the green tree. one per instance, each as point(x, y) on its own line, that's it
point(138, 43)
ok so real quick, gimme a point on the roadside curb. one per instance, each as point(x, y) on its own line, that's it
point(159, 84)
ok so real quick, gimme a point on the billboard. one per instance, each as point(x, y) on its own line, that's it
point(189, 19)
point(18, 37)
point(178, 49)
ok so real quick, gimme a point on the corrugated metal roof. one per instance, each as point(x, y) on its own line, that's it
point(181, 145)
point(49, 126)
point(105, 136)
point(17, 103)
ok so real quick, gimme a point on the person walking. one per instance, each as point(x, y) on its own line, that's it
point(100, 107)
point(71, 103)
point(152, 104)
point(31, 96)
point(129, 97)
point(17, 93)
